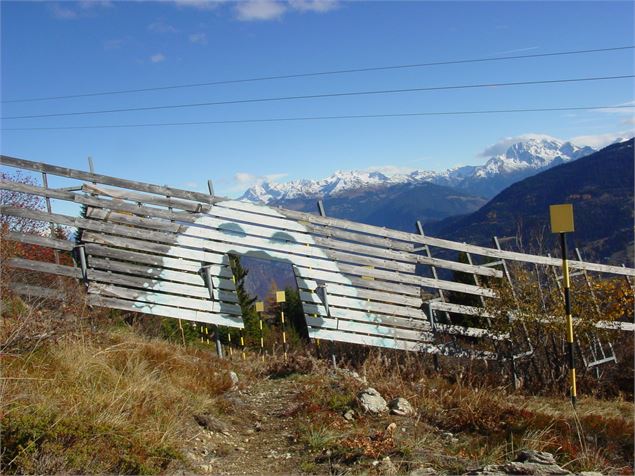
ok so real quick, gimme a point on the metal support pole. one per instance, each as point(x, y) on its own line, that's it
point(433, 269)
point(322, 212)
point(207, 277)
point(567, 310)
point(80, 251)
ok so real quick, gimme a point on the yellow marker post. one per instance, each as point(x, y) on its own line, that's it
point(260, 307)
point(562, 222)
point(229, 343)
point(280, 298)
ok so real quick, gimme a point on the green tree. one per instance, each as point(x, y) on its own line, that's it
point(246, 301)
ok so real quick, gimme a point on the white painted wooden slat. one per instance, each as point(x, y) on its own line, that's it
point(311, 309)
point(153, 285)
point(222, 273)
point(167, 311)
point(338, 278)
point(375, 341)
point(157, 298)
point(363, 305)
point(342, 325)
point(361, 293)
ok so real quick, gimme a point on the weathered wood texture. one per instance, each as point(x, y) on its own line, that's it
point(145, 246)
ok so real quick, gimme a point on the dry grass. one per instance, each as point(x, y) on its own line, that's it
point(489, 424)
point(114, 403)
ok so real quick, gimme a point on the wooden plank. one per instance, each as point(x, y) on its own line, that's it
point(380, 242)
point(43, 267)
point(418, 280)
point(157, 248)
point(153, 285)
point(364, 305)
point(460, 309)
point(143, 198)
point(357, 247)
point(616, 325)
point(167, 311)
point(361, 293)
point(133, 220)
point(469, 332)
point(375, 341)
point(203, 223)
point(31, 239)
point(157, 298)
point(107, 180)
point(37, 291)
point(462, 267)
point(221, 246)
point(338, 278)
point(82, 199)
point(223, 274)
point(411, 327)
point(369, 328)
point(383, 232)
point(95, 250)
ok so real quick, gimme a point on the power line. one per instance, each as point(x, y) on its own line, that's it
point(321, 73)
point(320, 118)
point(319, 96)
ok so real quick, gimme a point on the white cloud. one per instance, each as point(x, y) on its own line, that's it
point(199, 4)
point(243, 180)
point(619, 109)
point(198, 38)
point(262, 10)
point(502, 145)
point(259, 10)
point(319, 6)
point(63, 13)
point(598, 141)
point(157, 58)
point(75, 10)
point(161, 27)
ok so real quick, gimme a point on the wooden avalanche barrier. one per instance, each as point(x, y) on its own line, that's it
point(165, 252)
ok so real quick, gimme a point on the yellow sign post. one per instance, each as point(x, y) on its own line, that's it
point(260, 307)
point(280, 298)
point(562, 222)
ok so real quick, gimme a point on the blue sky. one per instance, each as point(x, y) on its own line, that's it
point(62, 48)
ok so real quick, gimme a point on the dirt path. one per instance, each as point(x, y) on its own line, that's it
point(255, 435)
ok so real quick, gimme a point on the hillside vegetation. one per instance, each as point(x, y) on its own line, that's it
point(118, 398)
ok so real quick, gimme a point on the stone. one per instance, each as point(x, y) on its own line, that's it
point(371, 401)
point(210, 423)
point(234, 378)
point(527, 463)
point(401, 406)
point(537, 457)
point(387, 467)
point(349, 415)
point(424, 471)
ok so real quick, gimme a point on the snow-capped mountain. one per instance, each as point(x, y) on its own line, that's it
point(520, 160)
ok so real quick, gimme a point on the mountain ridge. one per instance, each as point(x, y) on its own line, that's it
point(519, 160)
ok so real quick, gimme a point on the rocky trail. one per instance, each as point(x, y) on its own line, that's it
point(254, 436)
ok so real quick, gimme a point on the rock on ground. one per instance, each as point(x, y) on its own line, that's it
point(527, 463)
point(371, 401)
point(401, 406)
